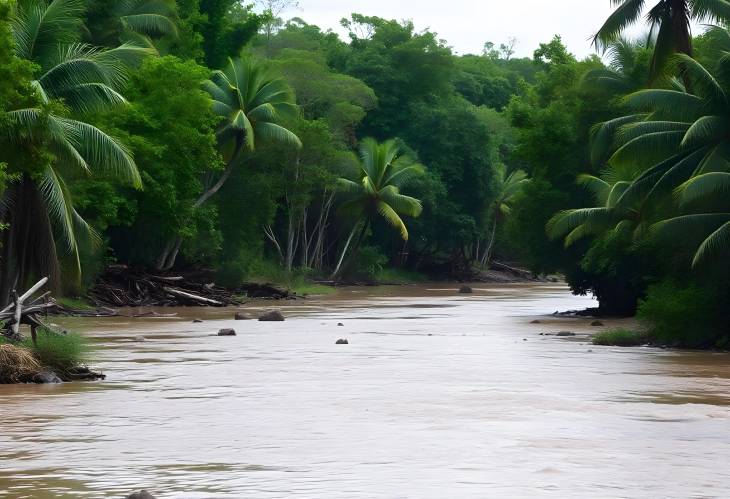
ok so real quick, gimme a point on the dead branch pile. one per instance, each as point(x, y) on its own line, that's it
point(122, 286)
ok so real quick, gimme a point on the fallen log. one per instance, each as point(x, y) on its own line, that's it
point(189, 296)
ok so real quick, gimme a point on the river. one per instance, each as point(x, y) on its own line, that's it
point(437, 395)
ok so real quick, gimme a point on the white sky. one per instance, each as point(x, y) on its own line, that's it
point(467, 24)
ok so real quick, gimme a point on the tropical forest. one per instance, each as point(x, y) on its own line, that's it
point(168, 164)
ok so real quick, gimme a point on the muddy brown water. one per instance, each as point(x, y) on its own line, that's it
point(437, 395)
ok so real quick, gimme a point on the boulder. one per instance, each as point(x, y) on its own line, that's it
point(272, 316)
point(197, 320)
point(342, 342)
point(564, 333)
point(339, 324)
point(227, 332)
point(142, 494)
point(596, 323)
point(465, 290)
point(240, 316)
point(47, 377)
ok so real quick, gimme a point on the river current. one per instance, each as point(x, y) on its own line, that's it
point(437, 395)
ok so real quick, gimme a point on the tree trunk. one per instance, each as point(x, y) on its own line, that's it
point(344, 251)
point(488, 250)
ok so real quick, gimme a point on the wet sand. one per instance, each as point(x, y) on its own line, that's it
point(437, 395)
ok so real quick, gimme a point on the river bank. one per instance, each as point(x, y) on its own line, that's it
point(436, 393)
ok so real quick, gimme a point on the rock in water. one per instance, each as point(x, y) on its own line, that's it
point(142, 494)
point(272, 316)
point(197, 320)
point(47, 377)
point(339, 324)
point(227, 332)
point(240, 316)
point(465, 290)
point(342, 342)
point(596, 323)
point(140, 339)
point(565, 333)
point(536, 321)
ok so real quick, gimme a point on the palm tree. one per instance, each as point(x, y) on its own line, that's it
point(376, 191)
point(685, 139)
point(628, 67)
point(669, 21)
point(111, 22)
point(575, 224)
point(253, 106)
point(507, 188)
point(72, 80)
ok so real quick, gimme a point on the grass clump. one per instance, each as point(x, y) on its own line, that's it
point(60, 353)
point(17, 364)
point(311, 288)
point(621, 338)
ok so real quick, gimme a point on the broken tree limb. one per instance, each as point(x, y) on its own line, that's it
point(192, 297)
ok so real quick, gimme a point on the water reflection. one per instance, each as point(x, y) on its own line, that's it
point(444, 395)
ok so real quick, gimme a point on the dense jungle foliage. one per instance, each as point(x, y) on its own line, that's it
point(202, 134)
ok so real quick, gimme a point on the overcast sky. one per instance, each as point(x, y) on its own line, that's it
point(467, 24)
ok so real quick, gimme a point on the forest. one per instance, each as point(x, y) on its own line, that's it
point(211, 134)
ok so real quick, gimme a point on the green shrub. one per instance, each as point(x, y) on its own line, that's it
point(399, 276)
point(687, 315)
point(369, 261)
point(621, 338)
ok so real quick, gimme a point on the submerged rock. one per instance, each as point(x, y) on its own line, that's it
point(536, 321)
point(564, 333)
point(339, 324)
point(142, 494)
point(342, 341)
point(596, 323)
point(227, 332)
point(465, 290)
point(240, 316)
point(272, 316)
point(47, 377)
point(197, 320)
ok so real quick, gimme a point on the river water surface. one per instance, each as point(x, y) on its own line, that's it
point(437, 395)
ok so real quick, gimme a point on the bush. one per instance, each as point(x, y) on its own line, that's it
point(369, 261)
point(687, 315)
point(621, 338)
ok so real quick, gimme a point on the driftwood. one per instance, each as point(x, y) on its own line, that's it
point(122, 286)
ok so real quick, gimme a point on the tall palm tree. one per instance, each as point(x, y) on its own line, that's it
point(669, 21)
point(376, 191)
point(111, 22)
point(72, 80)
point(253, 106)
point(507, 188)
point(680, 142)
point(627, 71)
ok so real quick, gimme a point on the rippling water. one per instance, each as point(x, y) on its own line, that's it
point(438, 395)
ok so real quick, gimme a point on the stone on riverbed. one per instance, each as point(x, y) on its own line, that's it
point(227, 332)
point(342, 342)
point(272, 316)
point(142, 494)
point(240, 316)
point(47, 377)
point(465, 290)
point(197, 320)
point(564, 333)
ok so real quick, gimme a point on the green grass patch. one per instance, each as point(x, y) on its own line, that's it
point(75, 303)
point(621, 338)
point(311, 288)
point(59, 352)
point(399, 276)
